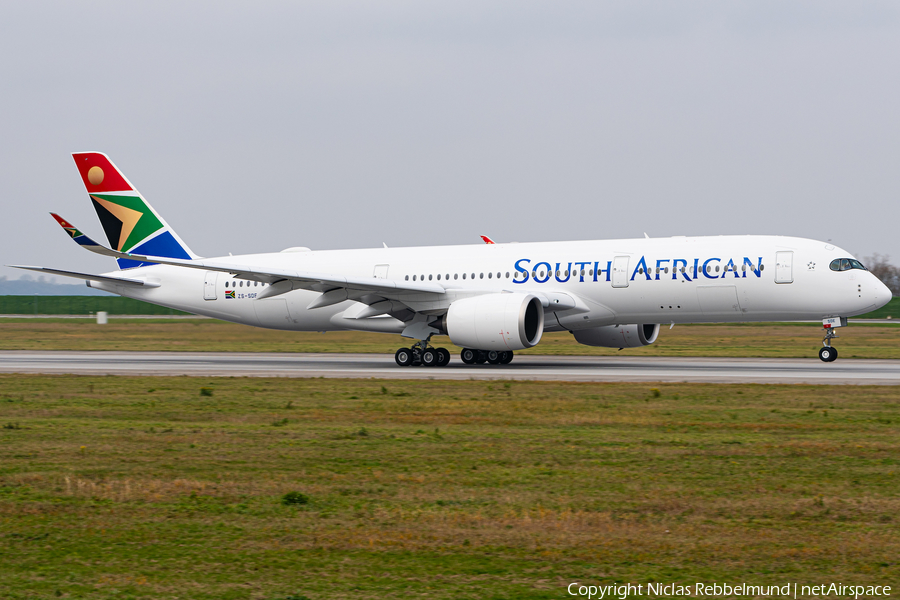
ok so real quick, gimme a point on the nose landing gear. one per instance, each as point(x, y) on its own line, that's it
point(828, 353)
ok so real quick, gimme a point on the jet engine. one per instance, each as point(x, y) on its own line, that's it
point(618, 336)
point(496, 322)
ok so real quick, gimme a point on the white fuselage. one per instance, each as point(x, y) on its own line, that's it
point(661, 280)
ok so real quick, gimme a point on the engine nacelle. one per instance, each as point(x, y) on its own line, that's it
point(496, 322)
point(618, 336)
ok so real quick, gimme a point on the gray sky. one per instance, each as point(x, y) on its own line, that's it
point(257, 126)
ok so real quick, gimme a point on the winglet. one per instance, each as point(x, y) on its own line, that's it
point(83, 240)
point(487, 240)
point(74, 232)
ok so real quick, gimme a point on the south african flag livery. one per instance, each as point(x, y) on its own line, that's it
point(130, 223)
point(229, 294)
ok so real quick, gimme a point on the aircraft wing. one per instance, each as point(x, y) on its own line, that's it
point(89, 277)
point(280, 280)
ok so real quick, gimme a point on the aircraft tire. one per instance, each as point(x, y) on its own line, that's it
point(430, 358)
point(507, 357)
point(480, 357)
point(443, 357)
point(828, 354)
point(468, 356)
point(494, 357)
point(403, 357)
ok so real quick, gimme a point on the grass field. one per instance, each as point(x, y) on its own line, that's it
point(798, 340)
point(172, 487)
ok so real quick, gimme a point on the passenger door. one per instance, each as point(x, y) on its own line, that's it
point(209, 285)
point(620, 272)
point(784, 272)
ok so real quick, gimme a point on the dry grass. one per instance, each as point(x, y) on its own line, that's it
point(753, 340)
point(144, 488)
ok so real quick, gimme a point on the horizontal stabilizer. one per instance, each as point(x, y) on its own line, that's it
point(89, 277)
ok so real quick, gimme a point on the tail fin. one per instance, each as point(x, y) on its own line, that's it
point(130, 223)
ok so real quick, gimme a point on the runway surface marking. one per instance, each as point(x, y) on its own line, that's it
point(379, 366)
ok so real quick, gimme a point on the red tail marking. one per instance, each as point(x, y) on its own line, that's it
point(107, 179)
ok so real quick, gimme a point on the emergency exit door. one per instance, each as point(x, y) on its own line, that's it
point(784, 270)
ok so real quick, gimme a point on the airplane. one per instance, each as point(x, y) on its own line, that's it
point(491, 299)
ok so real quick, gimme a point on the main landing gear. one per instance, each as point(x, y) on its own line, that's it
point(479, 357)
point(421, 354)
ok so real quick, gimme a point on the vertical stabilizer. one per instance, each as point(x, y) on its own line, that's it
point(130, 223)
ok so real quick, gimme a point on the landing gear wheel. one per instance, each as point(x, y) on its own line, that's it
point(469, 356)
point(443, 357)
point(493, 357)
point(506, 357)
point(828, 354)
point(429, 358)
point(480, 357)
point(404, 357)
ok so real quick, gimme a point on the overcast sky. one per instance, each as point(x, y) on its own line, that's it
point(253, 127)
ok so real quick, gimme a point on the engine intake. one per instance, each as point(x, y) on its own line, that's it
point(496, 322)
point(619, 336)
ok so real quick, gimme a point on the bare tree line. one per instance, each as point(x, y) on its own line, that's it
point(880, 266)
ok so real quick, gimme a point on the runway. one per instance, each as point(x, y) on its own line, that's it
point(379, 366)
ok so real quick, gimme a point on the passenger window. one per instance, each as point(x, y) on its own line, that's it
point(717, 268)
point(464, 275)
point(447, 276)
point(407, 277)
point(490, 275)
point(481, 276)
point(455, 275)
point(429, 278)
point(507, 274)
point(590, 271)
point(439, 276)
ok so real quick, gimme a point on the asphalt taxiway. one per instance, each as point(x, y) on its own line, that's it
point(379, 366)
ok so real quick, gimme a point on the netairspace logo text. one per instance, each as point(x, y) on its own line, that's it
point(716, 590)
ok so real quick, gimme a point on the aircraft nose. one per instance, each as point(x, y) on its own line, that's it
point(883, 293)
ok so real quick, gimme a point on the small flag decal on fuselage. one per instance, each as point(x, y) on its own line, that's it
point(229, 294)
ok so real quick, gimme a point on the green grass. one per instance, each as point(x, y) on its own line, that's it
point(773, 340)
point(151, 488)
point(891, 309)
point(79, 305)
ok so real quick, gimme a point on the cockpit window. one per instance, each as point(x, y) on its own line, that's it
point(845, 264)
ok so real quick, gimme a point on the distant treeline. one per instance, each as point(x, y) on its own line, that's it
point(79, 305)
